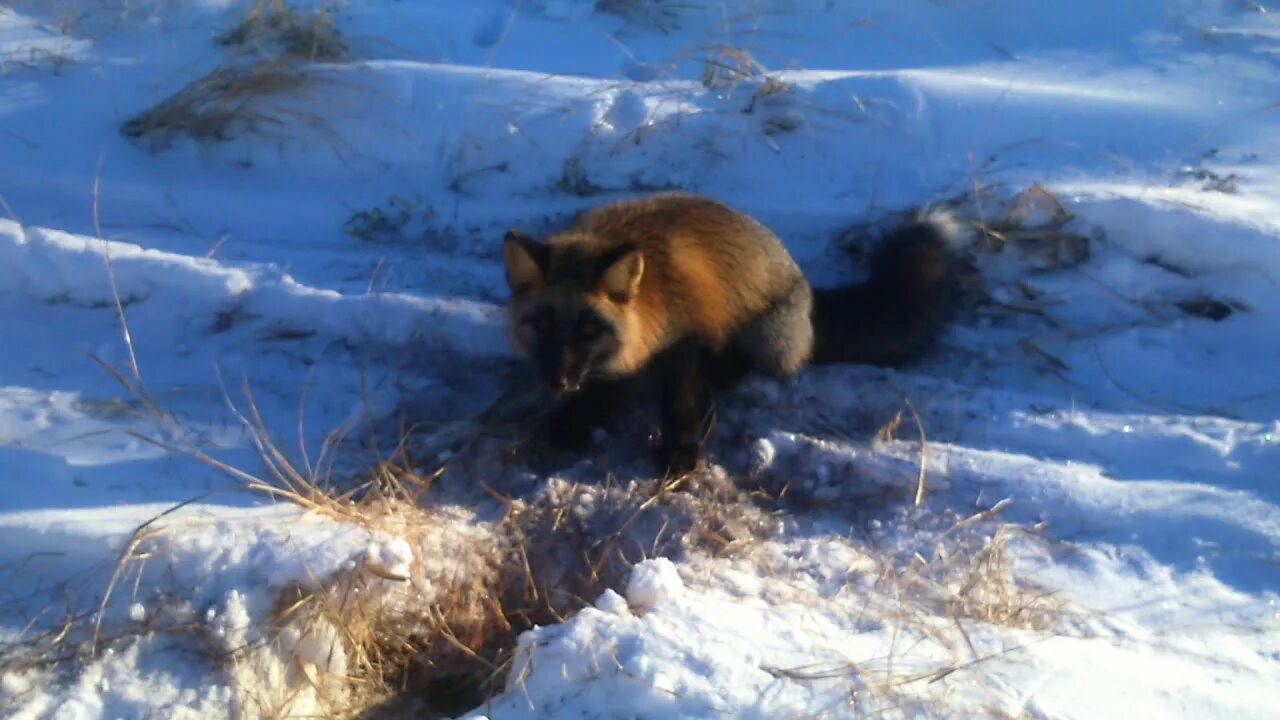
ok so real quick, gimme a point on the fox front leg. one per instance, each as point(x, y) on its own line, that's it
point(686, 411)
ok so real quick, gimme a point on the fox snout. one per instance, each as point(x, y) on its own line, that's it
point(564, 373)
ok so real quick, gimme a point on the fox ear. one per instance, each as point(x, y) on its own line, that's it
point(620, 279)
point(526, 260)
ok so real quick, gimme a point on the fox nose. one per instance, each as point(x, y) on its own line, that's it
point(563, 382)
point(571, 372)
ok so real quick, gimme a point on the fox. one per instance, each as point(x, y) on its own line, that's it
point(696, 295)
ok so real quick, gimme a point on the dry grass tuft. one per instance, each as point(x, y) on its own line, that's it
point(966, 574)
point(1034, 222)
point(273, 50)
point(83, 636)
point(354, 640)
point(276, 31)
point(436, 635)
point(727, 66)
point(946, 590)
point(229, 100)
point(732, 70)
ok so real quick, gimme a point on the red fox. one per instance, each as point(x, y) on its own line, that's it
point(697, 295)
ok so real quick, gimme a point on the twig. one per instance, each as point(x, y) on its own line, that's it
point(111, 278)
point(924, 445)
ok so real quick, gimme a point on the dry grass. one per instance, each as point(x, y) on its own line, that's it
point(272, 52)
point(958, 579)
point(440, 626)
point(229, 100)
point(970, 577)
point(274, 30)
point(727, 66)
point(1034, 222)
point(939, 592)
point(888, 431)
point(438, 631)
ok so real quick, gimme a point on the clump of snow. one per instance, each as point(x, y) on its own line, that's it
point(230, 619)
point(653, 582)
point(391, 557)
point(762, 454)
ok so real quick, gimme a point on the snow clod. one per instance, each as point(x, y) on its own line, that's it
point(391, 559)
point(652, 582)
point(762, 454)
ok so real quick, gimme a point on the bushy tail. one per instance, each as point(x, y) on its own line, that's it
point(899, 312)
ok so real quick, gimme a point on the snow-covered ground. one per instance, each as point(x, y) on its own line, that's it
point(325, 252)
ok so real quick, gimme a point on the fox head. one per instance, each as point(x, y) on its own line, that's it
point(572, 307)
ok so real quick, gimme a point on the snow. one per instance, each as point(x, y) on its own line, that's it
point(339, 262)
point(393, 556)
point(708, 654)
point(652, 582)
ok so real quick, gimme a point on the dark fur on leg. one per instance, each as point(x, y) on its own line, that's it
point(686, 408)
point(898, 313)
